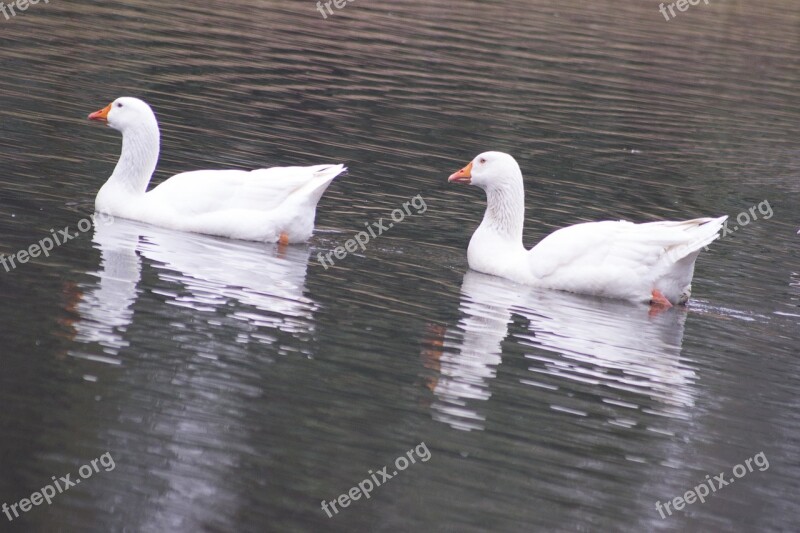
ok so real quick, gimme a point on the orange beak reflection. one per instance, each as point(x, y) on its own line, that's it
point(101, 115)
point(462, 176)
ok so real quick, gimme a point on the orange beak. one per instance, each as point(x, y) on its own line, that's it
point(101, 115)
point(462, 176)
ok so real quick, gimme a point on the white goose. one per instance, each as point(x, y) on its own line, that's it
point(270, 205)
point(641, 262)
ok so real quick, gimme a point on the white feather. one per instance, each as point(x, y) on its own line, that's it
point(257, 205)
point(616, 259)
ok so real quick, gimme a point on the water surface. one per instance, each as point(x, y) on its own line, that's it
point(237, 385)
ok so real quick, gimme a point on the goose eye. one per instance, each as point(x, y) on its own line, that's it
point(482, 161)
point(119, 104)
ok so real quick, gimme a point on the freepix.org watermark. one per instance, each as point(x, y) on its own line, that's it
point(62, 484)
point(374, 230)
point(711, 485)
point(372, 482)
point(49, 243)
point(745, 217)
point(730, 227)
point(338, 4)
point(682, 5)
point(19, 6)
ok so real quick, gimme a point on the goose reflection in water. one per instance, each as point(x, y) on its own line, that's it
point(628, 356)
point(262, 285)
point(196, 310)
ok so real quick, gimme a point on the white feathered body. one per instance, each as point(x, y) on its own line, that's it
point(616, 259)
point(268, 205)
point(258, 205)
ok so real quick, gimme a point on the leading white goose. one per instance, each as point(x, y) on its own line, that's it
point(652, 262)
point(269, 205)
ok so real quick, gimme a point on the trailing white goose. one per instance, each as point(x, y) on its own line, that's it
point(618, 259)
point(271, 205)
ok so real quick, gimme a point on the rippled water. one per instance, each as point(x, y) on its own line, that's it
point(238, 385)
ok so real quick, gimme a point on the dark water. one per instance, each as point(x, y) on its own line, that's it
point(238, 385)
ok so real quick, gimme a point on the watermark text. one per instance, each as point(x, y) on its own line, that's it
point(18, 6)
point(49, 243)
point(372, 482)
point(711, 485)
point(62, 484)
point(682, 6)
point(374, 230)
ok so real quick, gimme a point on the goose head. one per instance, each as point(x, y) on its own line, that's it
point(488, 171)
point(126, 114)
point(499, 175)
point(140, 147)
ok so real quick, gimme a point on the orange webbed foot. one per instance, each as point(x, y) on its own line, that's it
point(283, 244)
point(658, 303)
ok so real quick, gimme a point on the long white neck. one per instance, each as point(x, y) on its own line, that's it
point(140, 148)
point(505, 209)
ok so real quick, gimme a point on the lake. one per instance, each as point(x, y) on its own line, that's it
point(222, 385)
